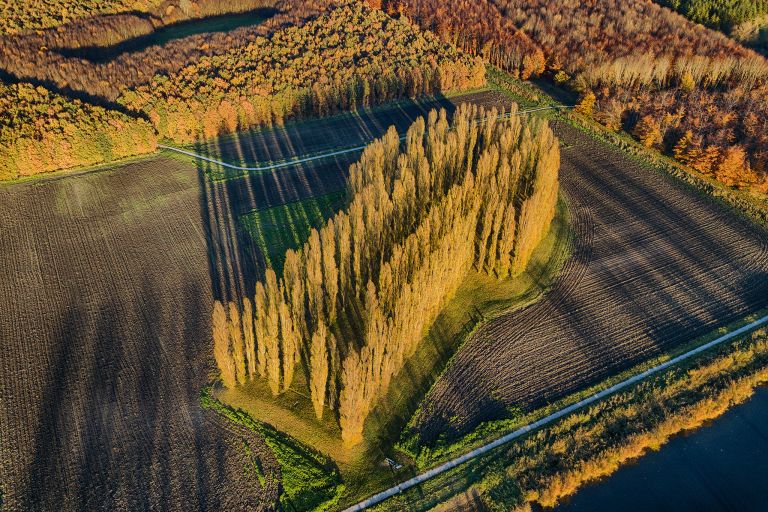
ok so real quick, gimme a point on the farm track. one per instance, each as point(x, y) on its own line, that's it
point(108, 278)
point(655, 265)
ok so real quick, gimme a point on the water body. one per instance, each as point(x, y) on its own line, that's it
point(223, 23)
point(720, 467)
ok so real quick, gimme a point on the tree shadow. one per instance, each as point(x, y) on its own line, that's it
point(232, 200)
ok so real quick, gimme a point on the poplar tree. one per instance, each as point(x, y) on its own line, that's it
point(272, 331)
point(236, 339)
point(249, 339)
point(290, 339)
point(318, 377)
point(330, 268)
point(352, 402)
point(221, 350)
point(293, 284)
point(260, 328)
point(314, 273)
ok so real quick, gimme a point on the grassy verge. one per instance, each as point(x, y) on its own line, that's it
point(555, 461)
point(479, 298)
point(310, 481)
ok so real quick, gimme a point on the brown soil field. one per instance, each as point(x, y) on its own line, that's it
point(655, 266)
point(105, 328)
point(107, 280)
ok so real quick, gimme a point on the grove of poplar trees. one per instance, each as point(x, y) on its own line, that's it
point(354, 302)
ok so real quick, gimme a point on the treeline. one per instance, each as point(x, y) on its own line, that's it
point(41, 131)
point(686, 77)
point(350, 57)
point(355, 300)
point(37, 15)
point(477, 27)
point(42, 56)
point(721, 135)
point(555, 462)
point(630, 60)
point(19, 16)
point(719, 14)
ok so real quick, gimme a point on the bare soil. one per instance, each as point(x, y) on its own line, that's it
point(655, 265)
point(106, 295)
point(107, 281)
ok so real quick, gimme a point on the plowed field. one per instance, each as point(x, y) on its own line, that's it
point(104, 334)
point(107, 281)
point(655, 265)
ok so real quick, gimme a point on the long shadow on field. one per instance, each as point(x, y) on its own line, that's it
point(306, 138)
point(116, 404)
point(661, 266)
point(251, 219)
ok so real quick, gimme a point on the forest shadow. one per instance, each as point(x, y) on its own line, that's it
point(111, 398)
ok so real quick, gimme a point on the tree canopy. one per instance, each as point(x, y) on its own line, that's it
point(350, 57)
point(632, 61)
point(477, 192)
point(42, 131)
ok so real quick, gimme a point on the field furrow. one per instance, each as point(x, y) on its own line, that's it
point(655, 266)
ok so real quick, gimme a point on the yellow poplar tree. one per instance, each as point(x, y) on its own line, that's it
point(318, 376)
point(221, 345)
point(236, 339)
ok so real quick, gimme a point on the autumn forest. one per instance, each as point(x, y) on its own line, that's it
point(678, 87)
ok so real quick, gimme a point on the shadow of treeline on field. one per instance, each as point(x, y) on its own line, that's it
point(252, 217)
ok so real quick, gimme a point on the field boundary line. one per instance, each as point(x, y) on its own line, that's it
point(377, 498)
point(320, 156)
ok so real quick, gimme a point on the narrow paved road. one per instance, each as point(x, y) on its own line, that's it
point(442, 468)
point(293, 162)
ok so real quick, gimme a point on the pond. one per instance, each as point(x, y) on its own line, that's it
point(223, 23)
point(720, 467)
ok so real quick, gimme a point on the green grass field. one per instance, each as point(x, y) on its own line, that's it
point(287, 226)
